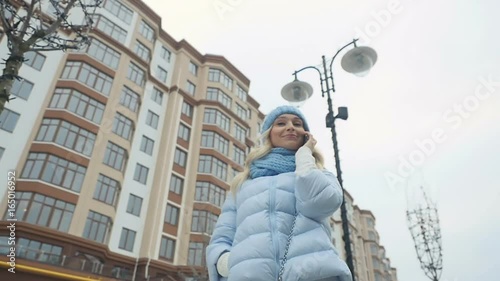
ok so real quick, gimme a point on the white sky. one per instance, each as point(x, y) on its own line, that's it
point(431, 56)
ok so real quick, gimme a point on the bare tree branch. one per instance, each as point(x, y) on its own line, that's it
point(5, 23)
point(37, 31)
point(29, 15)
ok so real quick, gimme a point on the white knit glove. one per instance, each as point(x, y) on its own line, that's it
point(222, 264)
point(304, 161)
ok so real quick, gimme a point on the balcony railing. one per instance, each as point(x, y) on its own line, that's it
point(77, 263)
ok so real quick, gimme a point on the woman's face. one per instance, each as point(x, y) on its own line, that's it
point(287, 132)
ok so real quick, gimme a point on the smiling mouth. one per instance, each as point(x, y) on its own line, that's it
point(290, 137)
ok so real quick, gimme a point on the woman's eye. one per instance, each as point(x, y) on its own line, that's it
point(298, 124)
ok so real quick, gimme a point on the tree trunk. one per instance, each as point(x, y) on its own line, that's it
point(10, 72)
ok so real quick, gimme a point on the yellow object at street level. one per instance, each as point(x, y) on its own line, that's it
point(45, 272)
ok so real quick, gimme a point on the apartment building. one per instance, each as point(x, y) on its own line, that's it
point(122, 152)
point(369, 259)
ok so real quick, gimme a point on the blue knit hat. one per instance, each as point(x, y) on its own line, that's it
point(280, 110)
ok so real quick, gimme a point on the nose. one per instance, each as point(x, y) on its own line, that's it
point(289, 126)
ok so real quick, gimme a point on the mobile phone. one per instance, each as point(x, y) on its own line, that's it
point(306, 138)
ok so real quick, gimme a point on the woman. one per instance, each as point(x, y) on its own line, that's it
point(274, 223)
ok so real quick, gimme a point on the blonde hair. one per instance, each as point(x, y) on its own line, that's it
point(262, 148)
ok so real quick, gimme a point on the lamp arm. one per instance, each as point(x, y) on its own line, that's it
point(307, 67)
point(333, 59)
point(320, 76)
point(353, 42)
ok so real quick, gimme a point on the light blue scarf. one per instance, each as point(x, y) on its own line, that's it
point(278, 160)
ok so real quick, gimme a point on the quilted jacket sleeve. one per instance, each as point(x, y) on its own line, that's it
point(318, 194)
point(222, 237)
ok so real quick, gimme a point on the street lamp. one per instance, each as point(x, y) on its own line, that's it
point(357, 61)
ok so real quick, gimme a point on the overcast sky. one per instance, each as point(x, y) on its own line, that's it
point(431, 100)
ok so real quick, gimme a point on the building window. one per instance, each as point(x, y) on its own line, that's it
point(196, 255)
point(97, 227)
point(123, 126)
point(376, 265)
point(152, 119)
point(372, 235)
point(88, 75)
point(21, 88)
point(147, 31)
point(141, 173)
point(43, 210)
point(193, 68)
point(167, 248)
point(238, 155)
point(165, 53)
point(161, 74)
point(147, 145)
point(109, 28)
point(190, 88)
point(106, 190)
point(134, 205)
point(234, 172)
point(8, 120)
point(67, 135)
point(102, 53)
point(135, 74)
point(241, 112)
point(38, 251)
point(78, 103)
point(214, 140)
point(34, 59)
point(370, 222)
point(130, 99)
point(187, 109)
point(54, 170)
point(213, 116)
point(180, 157)
point(203, 221)
point(209, 192)
point(115, 156)
point(239, 133)
point(142, 51)
point(218, 95)
point(176, 184)
point(211, 165)
point(157, 96)
point(119, 10)
point(241, 93)
point(216, 75)
point(172, 215)
point(184, 132)
point(127, 239)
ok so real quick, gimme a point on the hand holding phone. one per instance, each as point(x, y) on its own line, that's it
point(309, 140)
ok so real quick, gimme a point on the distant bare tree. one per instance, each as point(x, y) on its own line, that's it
point(423, 223)
point(30, 27)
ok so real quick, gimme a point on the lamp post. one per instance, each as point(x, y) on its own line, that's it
point(358, 61)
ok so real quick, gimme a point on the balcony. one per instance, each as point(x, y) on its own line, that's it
point(84, 264)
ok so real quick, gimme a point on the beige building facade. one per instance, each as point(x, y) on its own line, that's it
point(122, 152)
point(369, 259)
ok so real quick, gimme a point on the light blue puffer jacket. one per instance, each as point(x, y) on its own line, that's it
point(255, 228)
